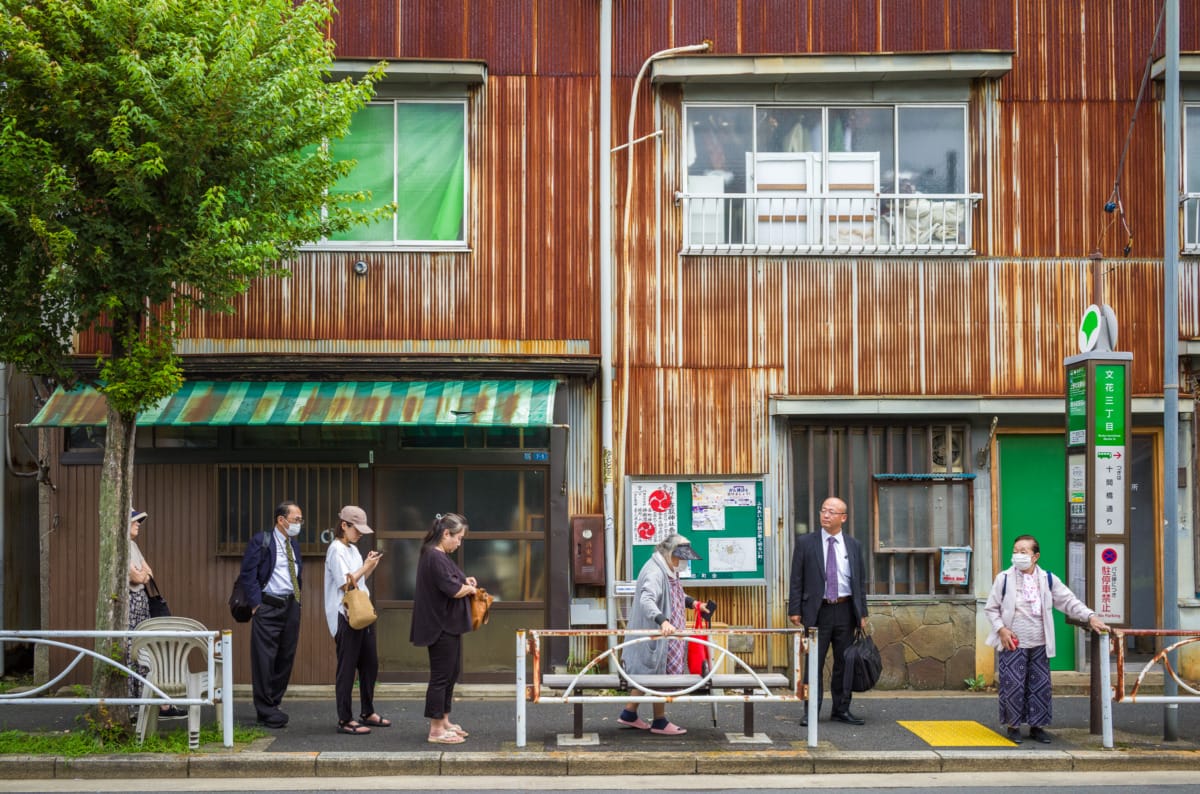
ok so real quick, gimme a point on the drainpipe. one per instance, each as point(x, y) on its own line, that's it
point(606, 311)
point(1171, 361)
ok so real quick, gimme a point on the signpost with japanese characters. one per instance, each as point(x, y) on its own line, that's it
point(1098, 443)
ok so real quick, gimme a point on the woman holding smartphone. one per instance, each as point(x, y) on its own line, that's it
point(356, 648)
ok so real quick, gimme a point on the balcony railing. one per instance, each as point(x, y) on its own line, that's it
point(808, 223)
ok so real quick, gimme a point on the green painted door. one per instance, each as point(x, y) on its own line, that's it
point(1033, 493)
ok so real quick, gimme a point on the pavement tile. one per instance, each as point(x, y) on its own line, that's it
point(652, 762)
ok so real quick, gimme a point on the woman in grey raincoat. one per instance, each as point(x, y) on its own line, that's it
point(659, 602)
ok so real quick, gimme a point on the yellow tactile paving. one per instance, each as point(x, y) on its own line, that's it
point(955, 733)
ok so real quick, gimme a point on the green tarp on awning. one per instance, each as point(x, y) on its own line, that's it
point(476, 403)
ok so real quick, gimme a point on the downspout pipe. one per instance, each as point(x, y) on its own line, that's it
point(618, 460)
point(606, 310)
point(1171, 184)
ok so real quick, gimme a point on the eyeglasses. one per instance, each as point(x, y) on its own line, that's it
point(827, 512)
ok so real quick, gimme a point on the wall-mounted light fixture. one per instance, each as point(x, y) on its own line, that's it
point(360, 268)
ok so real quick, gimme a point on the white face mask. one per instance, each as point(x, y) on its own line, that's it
point(1021, 561)
point(293, 530)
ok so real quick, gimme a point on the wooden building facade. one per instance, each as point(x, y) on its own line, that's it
point(854, 249)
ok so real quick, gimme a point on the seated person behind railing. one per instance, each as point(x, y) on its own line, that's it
point(659, 602)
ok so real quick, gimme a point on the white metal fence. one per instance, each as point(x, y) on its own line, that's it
point(219, 693)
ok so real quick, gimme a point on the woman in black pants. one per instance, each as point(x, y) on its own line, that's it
point(441, 615)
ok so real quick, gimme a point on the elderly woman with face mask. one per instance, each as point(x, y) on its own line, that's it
point(1020, 611)
point(659, 603)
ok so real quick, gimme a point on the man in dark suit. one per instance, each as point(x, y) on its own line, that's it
point(827, 581)
point(271, 577)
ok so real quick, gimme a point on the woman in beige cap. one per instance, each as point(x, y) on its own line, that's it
point(356, 648)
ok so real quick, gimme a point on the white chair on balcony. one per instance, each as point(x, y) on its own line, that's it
point(169, 661)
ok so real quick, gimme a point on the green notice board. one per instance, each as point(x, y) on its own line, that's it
point(722, 519)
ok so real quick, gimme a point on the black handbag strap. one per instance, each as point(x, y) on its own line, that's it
point(152, 590)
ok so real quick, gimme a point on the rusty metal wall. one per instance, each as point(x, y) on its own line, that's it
point(178, 543)
point(583, 447)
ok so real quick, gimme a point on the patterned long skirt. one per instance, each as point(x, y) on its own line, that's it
point(1024, 683)
point(139, 610)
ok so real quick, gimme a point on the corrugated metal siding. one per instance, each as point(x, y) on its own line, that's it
point(584, 466)
point(698, 421)
point(178, 543)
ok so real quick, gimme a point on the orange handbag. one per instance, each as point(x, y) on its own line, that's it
point(481, 607)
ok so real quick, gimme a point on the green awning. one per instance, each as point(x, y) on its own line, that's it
point(475, 403)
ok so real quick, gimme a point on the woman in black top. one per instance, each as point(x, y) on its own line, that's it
point(441, 615)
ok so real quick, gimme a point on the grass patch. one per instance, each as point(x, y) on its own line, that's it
point(76, 743)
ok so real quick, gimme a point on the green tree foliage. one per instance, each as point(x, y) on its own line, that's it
point(155, 157)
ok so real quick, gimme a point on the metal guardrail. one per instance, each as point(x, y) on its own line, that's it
point(804, 646)
point(1117, 694)
point(219, 647)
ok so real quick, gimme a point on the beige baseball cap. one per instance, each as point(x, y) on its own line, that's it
point(355, 515)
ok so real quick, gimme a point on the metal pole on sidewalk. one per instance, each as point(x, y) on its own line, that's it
point(1171, 360)
point(521, 688)
point(1105, 639)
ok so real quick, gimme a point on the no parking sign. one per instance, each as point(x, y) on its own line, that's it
point(1110, 582)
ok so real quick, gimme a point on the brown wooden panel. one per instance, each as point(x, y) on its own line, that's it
point(178, 542)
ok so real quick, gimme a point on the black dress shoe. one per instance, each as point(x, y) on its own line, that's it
point(1014, 735)
point(1039, 735)
point(804, 720)
point(848, 717)
point(171, 712)
point(276, 720)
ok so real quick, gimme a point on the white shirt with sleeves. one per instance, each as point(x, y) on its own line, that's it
point(341, 559)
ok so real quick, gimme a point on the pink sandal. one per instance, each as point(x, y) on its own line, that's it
point(670, 729)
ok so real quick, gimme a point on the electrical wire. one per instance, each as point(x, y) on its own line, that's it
point(1115, 206)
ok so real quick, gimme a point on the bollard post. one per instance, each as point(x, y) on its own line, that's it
point(521, 687)
point(226, 687)
point(1106, 689)
point(814, 683)
point(1095, 714)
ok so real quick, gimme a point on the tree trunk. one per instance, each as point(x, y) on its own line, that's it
point(112, 599)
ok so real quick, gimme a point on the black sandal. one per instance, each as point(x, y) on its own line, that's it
point(353, 728)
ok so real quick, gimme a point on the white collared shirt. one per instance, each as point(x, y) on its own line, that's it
point(843, 559)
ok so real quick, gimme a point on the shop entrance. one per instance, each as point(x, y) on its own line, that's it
point(505, 549)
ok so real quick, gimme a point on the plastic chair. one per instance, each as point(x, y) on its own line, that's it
point(168, 660)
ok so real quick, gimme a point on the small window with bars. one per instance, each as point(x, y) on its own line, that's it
point(248, 494)
point(907, 489)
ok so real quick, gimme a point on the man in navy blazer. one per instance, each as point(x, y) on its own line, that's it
point(271, 576)
point(836, 604)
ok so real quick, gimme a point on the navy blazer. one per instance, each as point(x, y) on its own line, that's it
point(259, 562)
point(807, 581)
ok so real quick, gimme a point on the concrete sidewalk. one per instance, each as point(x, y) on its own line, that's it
point(310, 745)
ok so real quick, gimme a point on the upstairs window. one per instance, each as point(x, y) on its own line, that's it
point(1191, 179)
point(771, 178)
point(413, 153)
point(411, 148)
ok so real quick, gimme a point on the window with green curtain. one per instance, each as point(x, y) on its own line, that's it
point(412, 153)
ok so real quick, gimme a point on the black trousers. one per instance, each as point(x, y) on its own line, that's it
point(835, 626)
point(274, 634)
point(356, 653)
point(445, 667)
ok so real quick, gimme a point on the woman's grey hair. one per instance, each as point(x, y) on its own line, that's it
point(669, 544)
